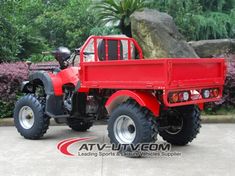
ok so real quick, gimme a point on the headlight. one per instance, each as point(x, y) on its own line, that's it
point(206, 94)
point(216, 92)
point(185, 96)
point(210, 93)
point(176, 97)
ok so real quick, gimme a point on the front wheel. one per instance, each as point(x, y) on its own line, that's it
point(29, 117)
point(183, 125)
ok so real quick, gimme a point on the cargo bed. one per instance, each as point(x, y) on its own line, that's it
point(169, 74)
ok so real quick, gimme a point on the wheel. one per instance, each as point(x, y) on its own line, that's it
point(184, 125)
point(131, 124)
point(29, 117)
point(78, 124)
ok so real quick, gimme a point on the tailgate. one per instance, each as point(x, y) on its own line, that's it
point(183, 73)
point(195, 76)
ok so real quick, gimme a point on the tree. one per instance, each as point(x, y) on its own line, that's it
point(66, 23)
point(9, 36)
point(19, 38)
point(9, 41)
point(29, 27)
point(201, 19)
point(118, 12)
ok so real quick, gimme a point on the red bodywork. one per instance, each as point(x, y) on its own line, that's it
point(66, 76)
point(137, 78)
point(144, 99)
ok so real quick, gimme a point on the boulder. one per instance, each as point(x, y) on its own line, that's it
point(212, 48)
point(158, 35)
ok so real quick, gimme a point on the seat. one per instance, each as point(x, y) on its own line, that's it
point(112, 50)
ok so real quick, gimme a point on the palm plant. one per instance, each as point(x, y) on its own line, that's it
point(118, 12)
point(201, 19)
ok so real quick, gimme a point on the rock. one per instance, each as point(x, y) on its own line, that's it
point(211, 48)
point(158, 35)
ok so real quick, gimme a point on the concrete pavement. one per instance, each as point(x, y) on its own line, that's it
point(205, 119)
point(212, 153)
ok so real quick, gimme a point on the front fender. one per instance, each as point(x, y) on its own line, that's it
point(66, 76)
point(24, 85)
point(144, 99)
point(44, 77)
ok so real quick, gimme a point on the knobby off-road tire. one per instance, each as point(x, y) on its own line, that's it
point(29, 117)
point(190, 128)
point(78, 125)
point(131, 124)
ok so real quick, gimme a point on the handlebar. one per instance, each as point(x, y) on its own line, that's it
point(46, 53)
point(88, 53)
point(77, 51)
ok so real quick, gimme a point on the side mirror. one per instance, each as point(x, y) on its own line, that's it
point(77, 51)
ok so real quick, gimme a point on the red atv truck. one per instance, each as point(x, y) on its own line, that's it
point(141, 97)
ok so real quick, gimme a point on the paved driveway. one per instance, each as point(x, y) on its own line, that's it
point(212, 153)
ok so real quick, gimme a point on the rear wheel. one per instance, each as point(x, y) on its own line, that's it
point(131, 124)
point(29, 117)
point(78, 124)
point(184, 125)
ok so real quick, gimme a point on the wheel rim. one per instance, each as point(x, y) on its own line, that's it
point(124, 129)
point(176, 123)
point(26, 117)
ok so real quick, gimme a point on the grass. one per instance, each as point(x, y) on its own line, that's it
point(221, 111)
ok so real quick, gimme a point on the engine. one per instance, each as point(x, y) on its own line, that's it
point(92, 105)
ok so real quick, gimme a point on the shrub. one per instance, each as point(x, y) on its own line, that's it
point(228, 101)
point(229, 88)
point(11, 77)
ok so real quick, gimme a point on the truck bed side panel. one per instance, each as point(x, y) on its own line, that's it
point(166, 74)
point(133, 74)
